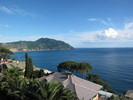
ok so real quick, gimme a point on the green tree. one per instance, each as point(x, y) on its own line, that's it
point(96, 79)
point(28, 67)
point(84, 68)
point(13, 72)
point(38, 73)
point(68, 66)
point(55, 91)
point(93, 77)
point(13, 87)
point(81, 68)
point(4, 53)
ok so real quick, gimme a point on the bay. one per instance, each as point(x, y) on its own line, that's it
point(114, 65)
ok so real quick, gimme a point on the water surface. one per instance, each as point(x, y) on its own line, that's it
point(114, 65)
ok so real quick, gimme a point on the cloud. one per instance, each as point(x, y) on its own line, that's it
point(128, 26)
point(107, 22)
point(107, 37)
point(11, 10)
point(108, 34)
point(22, 12)
point(93, 19)
point(6, 10)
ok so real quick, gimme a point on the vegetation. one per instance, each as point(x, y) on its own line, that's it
point(14, 87)
point(3, 67)
point(81, 68)
point(40, 44)
point(5, 53)
point(28, 67)
point(38, 73)
point(84, 68)
point(5, 50)
point(96, 79)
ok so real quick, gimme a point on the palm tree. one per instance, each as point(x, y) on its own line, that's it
point(56, 91)
point(14, 87)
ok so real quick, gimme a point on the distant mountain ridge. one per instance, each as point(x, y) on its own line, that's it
point(40, 44)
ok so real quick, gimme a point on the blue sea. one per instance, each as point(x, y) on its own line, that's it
point(114, 65)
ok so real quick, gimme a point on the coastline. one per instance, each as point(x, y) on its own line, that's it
point(21, 65)
point(42, 50)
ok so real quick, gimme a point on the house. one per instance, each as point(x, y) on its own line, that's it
point(106, 95)
point(83, 88)
point(129, 94)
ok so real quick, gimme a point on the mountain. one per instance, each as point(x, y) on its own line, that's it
point(40, 44)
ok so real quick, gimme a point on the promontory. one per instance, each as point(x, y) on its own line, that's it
point(38, 45)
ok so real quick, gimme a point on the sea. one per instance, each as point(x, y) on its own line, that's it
point(114, 65)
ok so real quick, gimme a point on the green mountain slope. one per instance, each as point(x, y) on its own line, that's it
point(40, 44)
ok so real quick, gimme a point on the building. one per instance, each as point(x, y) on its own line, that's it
point(83, 88)
point(13, 49)
point(106, 95)
point(129, 94)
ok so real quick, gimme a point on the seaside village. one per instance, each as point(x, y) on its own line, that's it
point(84, 89)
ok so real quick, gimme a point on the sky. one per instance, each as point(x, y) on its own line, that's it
point(81, 23)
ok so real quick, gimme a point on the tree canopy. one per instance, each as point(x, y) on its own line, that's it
point(5, 51)
point(81, 68)
point(28, 66)
point(29, 69)
point(96, 79)
point(14, 87)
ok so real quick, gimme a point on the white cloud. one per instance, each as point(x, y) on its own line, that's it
point(11, 10)
point(6, 10)
point(98, 20)
point(128, 26)
point(83, 39)
point(107, 22)
point(92, 19)
point(22, 12)
point(109, 33)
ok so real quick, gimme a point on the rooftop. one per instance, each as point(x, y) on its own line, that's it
point(83, 88)
point(129, 94)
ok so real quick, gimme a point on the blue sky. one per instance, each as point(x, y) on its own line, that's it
point(81, 23)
